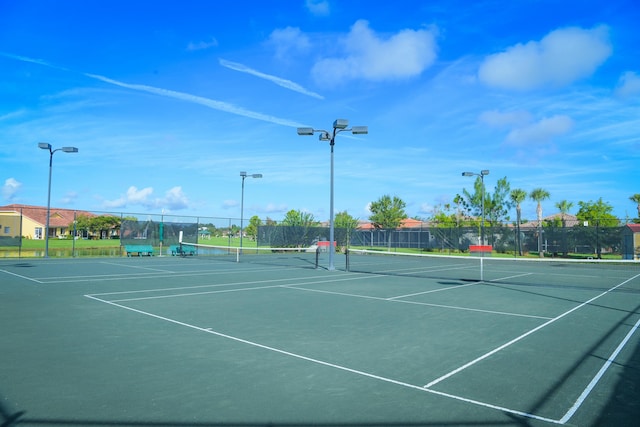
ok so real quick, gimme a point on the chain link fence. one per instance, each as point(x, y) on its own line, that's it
point(95, 233)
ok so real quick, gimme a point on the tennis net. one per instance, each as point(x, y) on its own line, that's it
point(591, 273)
point(290, 257)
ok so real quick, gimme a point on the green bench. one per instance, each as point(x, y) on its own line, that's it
point(182, 250)
point(138, 249)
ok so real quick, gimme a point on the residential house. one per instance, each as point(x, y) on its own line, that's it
point(30, 221)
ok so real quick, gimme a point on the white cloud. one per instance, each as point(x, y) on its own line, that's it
point(541, 132)
point(498, 119)
point(628, 85)
point(368, 56)
point(174, 199)
point(288, 41)
point(561, 57)
point(10, 188)
point(287, 84)
point(229, 204)
point(69, 198)
point(318, 7)
point(202, 45)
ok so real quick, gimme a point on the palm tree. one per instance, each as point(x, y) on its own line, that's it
point(636, 199)
point(564, 206)
point(518, 196)
point(538, 195)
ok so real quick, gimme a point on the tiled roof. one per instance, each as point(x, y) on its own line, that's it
point(634, 227)
point(57, 218)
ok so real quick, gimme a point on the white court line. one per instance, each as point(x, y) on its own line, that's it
point(21, 276)
point(202, 286)
point(599, 375)
point(452, 307)
point(328, 364)
point(124, 276)
point(448, 288)
point(136, 266)
point(526, 334)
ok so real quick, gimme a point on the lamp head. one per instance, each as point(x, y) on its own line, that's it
point(305, 131)
point(70, 149)
point(340, 124)
point(324, 136)
point(360, 130)
point(256, 175)
point(484, 172)
point(44, 145)
point(243, 174)
point(468, 173)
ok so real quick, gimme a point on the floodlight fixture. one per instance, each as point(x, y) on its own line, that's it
point(484, 172)
point(244, 175)
point(360, 130)
point(339, 125)
point(47, 146)
point(305, 131)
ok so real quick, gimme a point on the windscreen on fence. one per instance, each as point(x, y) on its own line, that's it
point(156, 232)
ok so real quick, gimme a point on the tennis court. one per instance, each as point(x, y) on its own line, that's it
point(206, 340)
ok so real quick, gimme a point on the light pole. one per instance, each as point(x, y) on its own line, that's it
point(339, 125)
point(481, 175)
point(47, 146)
point(244, 175)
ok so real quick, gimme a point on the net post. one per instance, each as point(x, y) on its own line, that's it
point(346, 262)
point(317, 256)
point(237, 254)
point(482, 269)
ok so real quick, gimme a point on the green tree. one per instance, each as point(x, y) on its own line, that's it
point(252, 228)
point(344, 220)
point(538, 195)
point(496, 204)
point(518, 196)
point(344, 224)
point(636, 199)
point(597, 213)
point(297, 218)
point(603, 225)
point(387, 212)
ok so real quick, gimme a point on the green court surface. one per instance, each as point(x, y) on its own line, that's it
point(197, 341)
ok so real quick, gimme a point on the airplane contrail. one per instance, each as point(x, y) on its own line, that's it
point(287, 84)
point(207, 102)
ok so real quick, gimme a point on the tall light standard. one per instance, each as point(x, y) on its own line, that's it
point(244, 175)
point(47, 146)
point(339, 125)
point(481, 175)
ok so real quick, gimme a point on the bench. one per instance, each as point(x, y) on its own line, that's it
point(138, 249)
point(182, 250)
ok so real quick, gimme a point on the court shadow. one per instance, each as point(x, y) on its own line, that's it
point(7, 417)
point(623, 407)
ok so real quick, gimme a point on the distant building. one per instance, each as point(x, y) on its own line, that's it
point(30, 221)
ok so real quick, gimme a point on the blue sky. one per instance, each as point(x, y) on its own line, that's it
point(167, 103)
